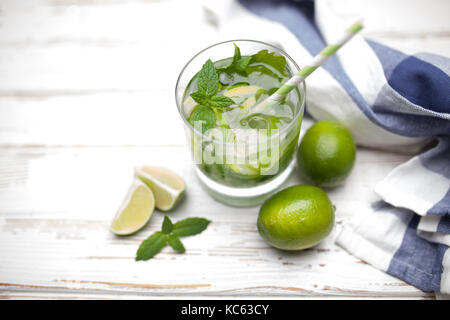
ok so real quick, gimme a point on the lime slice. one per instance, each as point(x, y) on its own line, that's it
point(249, 102)
point(166, 185)
point(242, 91)
point(245, 170)
point(135, 211)
point(204, 114)
point(188, 105)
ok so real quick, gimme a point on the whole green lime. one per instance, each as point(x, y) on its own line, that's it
point(326, 154)
point(296, 218)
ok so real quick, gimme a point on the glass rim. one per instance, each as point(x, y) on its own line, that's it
point(303, 84)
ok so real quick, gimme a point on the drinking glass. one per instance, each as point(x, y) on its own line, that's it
point(241, 167)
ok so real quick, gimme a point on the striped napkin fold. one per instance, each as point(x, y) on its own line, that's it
point(389, 100)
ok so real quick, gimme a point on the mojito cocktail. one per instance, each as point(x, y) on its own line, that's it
point(242, 149)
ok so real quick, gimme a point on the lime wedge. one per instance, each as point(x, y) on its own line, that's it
point(166, 185)
point(135, 211)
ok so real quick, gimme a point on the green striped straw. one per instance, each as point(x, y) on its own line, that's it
point(316, 62)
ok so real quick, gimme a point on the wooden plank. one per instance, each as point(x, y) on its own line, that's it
point(71, 295)
point(56, 205)
point(115, 118)
point(64, 49)
point(55, 255)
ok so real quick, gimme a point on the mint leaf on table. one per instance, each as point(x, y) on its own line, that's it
point(167, 225)
point(175, 243)
point(190, 227)
point(151, 246)
point(277, 62)
point(170, 234)
point(208, 79)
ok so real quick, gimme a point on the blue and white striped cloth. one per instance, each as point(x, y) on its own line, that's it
point(389, 100)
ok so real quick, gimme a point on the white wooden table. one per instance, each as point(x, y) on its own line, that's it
point(77, 114)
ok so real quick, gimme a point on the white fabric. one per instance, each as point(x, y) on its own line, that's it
point(414, 187)
point(361, 236)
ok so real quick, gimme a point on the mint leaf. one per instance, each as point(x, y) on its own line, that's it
point(277, 62)
point(167, 225)
point(200, 98)
point(176, 244)
point(220, 101)
point(204, 114)
point(238, 63)
point(208, 79)
point(169, 234)
point(151, 246)
point(190, 227)
point(237, 53)
point(263, 70)
point(214, 101)
point(242, 64)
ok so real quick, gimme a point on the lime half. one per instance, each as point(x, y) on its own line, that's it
point(135, 211)
point(166, 185)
